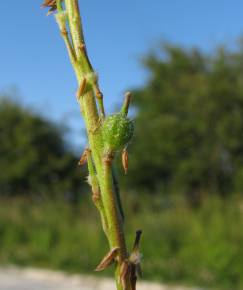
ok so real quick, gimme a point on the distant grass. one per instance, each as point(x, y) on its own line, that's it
point(201, 246)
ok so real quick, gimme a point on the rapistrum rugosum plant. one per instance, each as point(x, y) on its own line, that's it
point(108, 137)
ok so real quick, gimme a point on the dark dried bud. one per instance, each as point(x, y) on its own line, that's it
point(52, 4)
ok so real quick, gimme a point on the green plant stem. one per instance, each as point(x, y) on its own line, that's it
point(110, 209)
point(111, 203)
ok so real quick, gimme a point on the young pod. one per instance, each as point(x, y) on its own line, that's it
point(117, 131)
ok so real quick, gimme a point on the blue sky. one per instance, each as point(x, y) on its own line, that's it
point(35, 66)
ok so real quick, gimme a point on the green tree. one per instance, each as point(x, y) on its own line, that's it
point(189, 123)
point(34, 159)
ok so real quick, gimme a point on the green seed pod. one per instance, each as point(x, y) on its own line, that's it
point(117, 131)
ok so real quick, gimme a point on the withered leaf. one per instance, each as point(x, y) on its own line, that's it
point(125, 160)
point(81, 88)
point(107, 260)
point(84, 157)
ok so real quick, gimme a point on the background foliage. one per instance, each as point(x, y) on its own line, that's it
point(184, 187)
point(180, 244)
point(35, 159)
point(189, 123)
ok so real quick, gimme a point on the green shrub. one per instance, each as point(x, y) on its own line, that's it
point(192, 246)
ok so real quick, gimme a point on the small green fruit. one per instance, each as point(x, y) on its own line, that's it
point(117, 131)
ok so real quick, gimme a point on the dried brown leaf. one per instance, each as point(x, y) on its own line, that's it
point(81, 88)
point(125, 160)
point(107, 260)
point(84, 157)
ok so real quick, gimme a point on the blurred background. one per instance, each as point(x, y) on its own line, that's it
point(183, 61)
